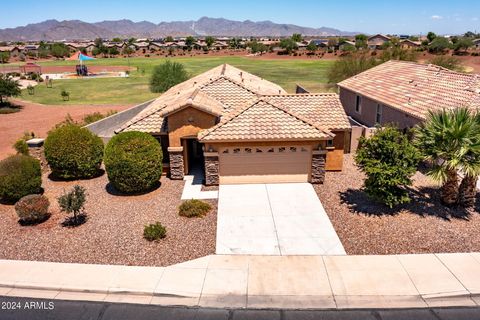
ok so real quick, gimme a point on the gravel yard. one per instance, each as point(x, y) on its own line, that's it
point(422, 226)
point(113, 233)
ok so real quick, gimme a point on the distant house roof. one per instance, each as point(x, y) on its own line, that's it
point(411, 43)
point(476, 41)
point(416, 88)
point(8, 48)
point(379, 36)
point(320, 42)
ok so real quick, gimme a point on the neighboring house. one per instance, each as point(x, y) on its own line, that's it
point(403, 93)
point(346, 44)
point(155, 46)
point(141, 46)
point(377, 41)
point(14, 51)
point(476, 43)
point(320, 43)
point(244, 129)
point(409, 44)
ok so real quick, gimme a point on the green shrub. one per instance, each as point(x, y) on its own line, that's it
point(154, 231)
point(167, 75)
point(194, 208)
point(21, 147)
point(389, 160)
point(32, 209)
point(20, 175)
point(96, 116)
point(133, 161)
point(73, 152)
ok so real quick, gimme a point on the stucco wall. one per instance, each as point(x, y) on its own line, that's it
point(368, 112)
point(187, 122)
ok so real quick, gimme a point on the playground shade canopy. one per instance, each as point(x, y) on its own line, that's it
point(81, 57)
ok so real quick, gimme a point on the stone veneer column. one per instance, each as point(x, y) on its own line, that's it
point(211, 168)
point(36, 150)
point(176, 163)
point(318, 166)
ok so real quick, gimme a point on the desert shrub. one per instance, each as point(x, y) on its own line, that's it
point(20, 175)
point(73, 202)
point(154, 231)
point(389, 160)
point(94, 117)
point(350, 65)
point(32, 209)
point(73, 152)
point(449, 62)
point(194, 208)
point(133, 161)
point(21, 147)
point(167, 75)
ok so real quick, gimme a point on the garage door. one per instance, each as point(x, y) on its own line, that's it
point(264, 164)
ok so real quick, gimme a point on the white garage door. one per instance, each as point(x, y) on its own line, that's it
point(265, 164)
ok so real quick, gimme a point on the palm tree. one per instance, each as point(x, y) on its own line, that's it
point(450, 139)
point(470, 167)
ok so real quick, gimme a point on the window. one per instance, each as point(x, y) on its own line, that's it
point(378, 118)
point(281, 149)
point(293, 149)
point(236, 150)
point(358, 104)
point(248, 150)
point(329, 143)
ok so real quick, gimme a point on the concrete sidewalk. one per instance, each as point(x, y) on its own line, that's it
point(235, 281)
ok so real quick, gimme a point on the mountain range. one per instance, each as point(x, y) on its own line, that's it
point(78, 30)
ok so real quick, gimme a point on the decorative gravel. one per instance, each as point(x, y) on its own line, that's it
point(422, 226)
point(113, 233)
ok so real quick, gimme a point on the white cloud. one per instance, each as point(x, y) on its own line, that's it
point(436, 17)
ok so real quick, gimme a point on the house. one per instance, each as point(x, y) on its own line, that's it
point(320, 43)
point(403, 93)
point(243, 129)
point(409, 44)
point(377, 41)
point(476, 43)
point(345, 45)
point(13, 51)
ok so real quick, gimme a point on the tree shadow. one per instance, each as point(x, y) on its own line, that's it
point(110, 188)
point(54, 177)
point(71, 223)
point(425, 201)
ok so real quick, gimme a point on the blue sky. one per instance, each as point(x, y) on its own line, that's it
point(405, 16)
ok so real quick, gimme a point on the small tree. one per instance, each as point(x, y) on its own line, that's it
point(4, 57)
point(361, 41)
point(167, 75)
point(73, 202)
point(431, 36)
point(311, 47)
point(350, 65)
point(389, 160)
point(8, 88)
point(169, 39)
point(297, 37)
point(65, 95)
point(189, 41)
point(439, 45)
point(288, 45)
point(209, 41)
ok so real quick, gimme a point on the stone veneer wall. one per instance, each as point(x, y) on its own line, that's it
point(211, 169)
point(176, 163)
point(318, 166)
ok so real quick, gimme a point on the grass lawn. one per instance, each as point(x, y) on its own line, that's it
point(132, 90)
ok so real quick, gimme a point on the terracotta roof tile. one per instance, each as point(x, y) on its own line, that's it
point(231, 94)
point(324, 109)
point(416, 88)
point(263, 121)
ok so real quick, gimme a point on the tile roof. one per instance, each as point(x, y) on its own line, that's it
point(416, 88)
point(245, 113)
point(231, 94)
point(324, 109)
point(263, 121)
point(152, 118)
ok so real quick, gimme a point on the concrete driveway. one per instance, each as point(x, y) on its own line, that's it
point(274, 219)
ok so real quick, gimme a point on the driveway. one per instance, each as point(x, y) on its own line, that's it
point(274, 219)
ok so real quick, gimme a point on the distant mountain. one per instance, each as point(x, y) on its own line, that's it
point(76, 30)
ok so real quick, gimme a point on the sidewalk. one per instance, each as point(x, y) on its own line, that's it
point(235, 281)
